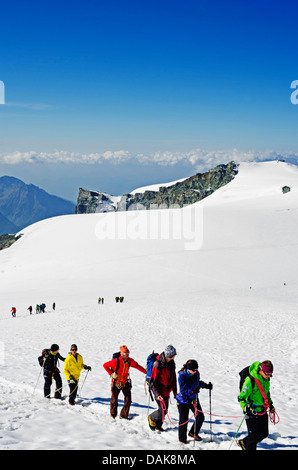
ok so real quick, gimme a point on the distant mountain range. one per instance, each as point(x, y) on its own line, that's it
point(24, 204)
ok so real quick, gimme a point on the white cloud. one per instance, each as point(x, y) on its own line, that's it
point(199, 159)
point(62, 156)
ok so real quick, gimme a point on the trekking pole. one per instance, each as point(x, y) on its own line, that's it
point(149, 395)
point(148, 404)
point(36, 382)
point(39, 375)
point(237, 431)
point(195, 416)
point(84, 381)
point(210, 413)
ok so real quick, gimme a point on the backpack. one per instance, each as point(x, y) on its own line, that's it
point(116, 355)
point(150, 361)
point(44, 354)
point(243, 374)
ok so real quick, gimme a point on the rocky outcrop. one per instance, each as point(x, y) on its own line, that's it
point(180, 194)
point(89, 202)
point(286, 189)
point(7, 240)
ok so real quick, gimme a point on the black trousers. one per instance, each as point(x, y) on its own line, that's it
point(183, 420)
point(159, 415)
point(73, 390)
point(258, 429)
point(48, 379)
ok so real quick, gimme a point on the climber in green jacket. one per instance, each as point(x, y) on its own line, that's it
point(255, 401)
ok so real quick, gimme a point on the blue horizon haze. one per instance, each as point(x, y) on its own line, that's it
point(112, 95)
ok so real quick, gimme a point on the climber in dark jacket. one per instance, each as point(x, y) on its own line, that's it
point(163, 381)
point(48, 361)
point(187, 399)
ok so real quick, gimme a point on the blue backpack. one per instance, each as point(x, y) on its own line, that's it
point(150, 361)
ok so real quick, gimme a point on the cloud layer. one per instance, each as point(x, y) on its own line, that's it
point(198, 158)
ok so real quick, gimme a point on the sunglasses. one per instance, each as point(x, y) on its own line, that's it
point(266, 373)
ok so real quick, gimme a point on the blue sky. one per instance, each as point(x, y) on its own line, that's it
point(112, 95)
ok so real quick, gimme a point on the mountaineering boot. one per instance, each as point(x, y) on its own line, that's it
point(196, 438)
point(152, 424)
point(160, 429)
point(241, 444)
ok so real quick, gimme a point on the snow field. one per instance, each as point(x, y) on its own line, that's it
point(228, 304)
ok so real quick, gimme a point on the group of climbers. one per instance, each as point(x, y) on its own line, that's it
point(254, 397)
point(39, 308)
point(100, 300)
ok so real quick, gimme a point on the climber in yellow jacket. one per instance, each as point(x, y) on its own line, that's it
point(73, 366)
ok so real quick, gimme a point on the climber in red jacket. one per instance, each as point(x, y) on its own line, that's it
point(118, 369)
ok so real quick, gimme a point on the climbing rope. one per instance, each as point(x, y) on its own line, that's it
point(274, 418)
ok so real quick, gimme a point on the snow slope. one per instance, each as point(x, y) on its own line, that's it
point(155, 187)
point(218, 280)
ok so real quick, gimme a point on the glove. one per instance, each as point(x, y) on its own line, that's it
point(87, 368)
point(114, 375)
point(209, 386)
point(71, 380)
